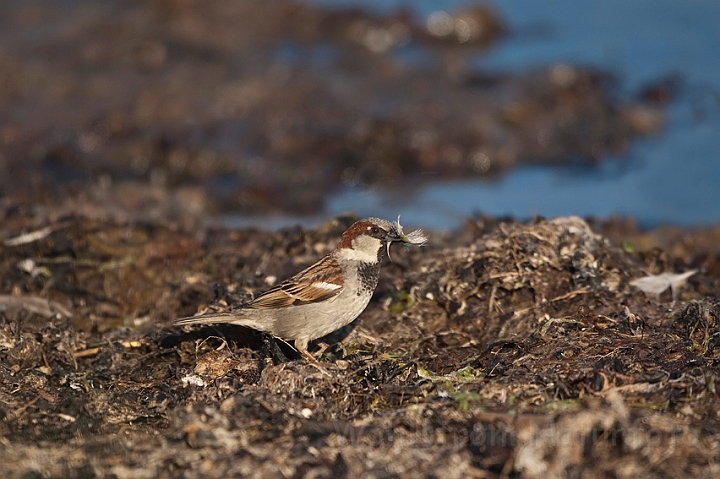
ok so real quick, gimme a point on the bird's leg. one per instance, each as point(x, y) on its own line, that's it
point(308, 355)
point(302, 349)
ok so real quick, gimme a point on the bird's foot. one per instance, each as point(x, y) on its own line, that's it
point(313, 361)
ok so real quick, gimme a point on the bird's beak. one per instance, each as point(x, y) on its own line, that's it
point(393, 236)
point(396, 234)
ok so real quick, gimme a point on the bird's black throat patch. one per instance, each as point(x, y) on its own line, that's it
point(369, 274)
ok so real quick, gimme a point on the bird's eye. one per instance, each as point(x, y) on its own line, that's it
point(375, 230)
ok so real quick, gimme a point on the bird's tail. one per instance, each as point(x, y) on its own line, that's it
point(206, 319)
point(236, 318)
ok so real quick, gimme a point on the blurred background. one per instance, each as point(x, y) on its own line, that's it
point(273, 113)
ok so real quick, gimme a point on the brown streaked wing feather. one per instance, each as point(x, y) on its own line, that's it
point(299, 289)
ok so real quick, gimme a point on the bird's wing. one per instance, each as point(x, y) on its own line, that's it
point(319, 282)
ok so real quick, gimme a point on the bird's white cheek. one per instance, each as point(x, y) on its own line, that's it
point(365, 249)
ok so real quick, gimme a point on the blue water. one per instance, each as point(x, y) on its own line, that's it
point(673, 177)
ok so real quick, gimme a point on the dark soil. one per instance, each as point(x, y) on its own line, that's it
point(506, 350)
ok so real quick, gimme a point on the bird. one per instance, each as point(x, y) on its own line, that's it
point(325, 296)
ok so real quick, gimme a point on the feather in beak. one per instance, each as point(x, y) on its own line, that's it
point(416, 237)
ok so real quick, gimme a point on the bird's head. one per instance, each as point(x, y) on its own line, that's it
point(366, 239)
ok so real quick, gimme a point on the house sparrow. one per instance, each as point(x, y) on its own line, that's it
point(324, 297)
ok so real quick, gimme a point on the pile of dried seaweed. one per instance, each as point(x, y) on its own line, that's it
point(510, 349)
